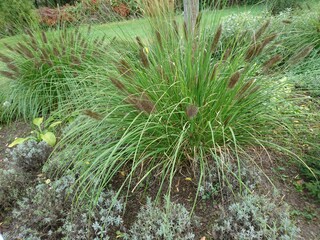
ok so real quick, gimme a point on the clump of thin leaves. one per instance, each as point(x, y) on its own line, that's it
point(176, 105)
point(45, 70)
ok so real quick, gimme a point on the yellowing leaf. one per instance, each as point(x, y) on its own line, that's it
point(48, 181)
point(49, 138)
point(37, 121)
point(55, 124)
point(17, 141)
point(188, 179)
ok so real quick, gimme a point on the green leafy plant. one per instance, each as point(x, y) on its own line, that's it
point(41, 133)
point(256, 217)
point(45, 69)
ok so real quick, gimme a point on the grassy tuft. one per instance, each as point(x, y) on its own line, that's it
point(45, 68)
point(176, 105)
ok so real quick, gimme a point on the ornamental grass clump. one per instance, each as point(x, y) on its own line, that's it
point(45, 68)
point(175, 106)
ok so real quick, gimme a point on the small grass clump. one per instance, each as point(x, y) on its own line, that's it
point(45, 68)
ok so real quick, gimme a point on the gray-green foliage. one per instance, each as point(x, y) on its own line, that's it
point(213, 187)
point(41, 212)
point(12, 185)
point(46, 212)
point(95, 224)
point(30, 155)
point(172, 222)
point(19, 168)
point(256, 217)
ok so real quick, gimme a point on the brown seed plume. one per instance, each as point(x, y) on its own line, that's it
point(12, 67)
point(25, 50)
point(139, 41)
point(159, 39)
point(9, 47)
point(273, 60)
point(251, 53)
point(286, 21)
point(264, 43)
point(245, 87)
point(124, 68)
point(143, 103)
point(234, 79)
point(144, 58)
point(261, 31)
point(8, 74)
point(118, 84)
point(214, 71)
point(5, 58)
point(226, 54)
point(44, 37)
point(75, 60)
point(92, 114)
point(192, 111)
point(300, 55)
point(216, 38)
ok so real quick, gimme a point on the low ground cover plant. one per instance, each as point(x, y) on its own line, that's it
point(256, 217)
point(172, 221)
point(44, 70)
point(45, 211)
point(19, 170)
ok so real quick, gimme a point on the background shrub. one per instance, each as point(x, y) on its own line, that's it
point(278, 6)
point(256, 217)
point(170, 222)
point(45, 70)
point(15, 16)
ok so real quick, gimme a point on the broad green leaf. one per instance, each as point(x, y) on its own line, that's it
point(49, 138)
point(37, 121)
point(55, 124)
point(17, 141)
